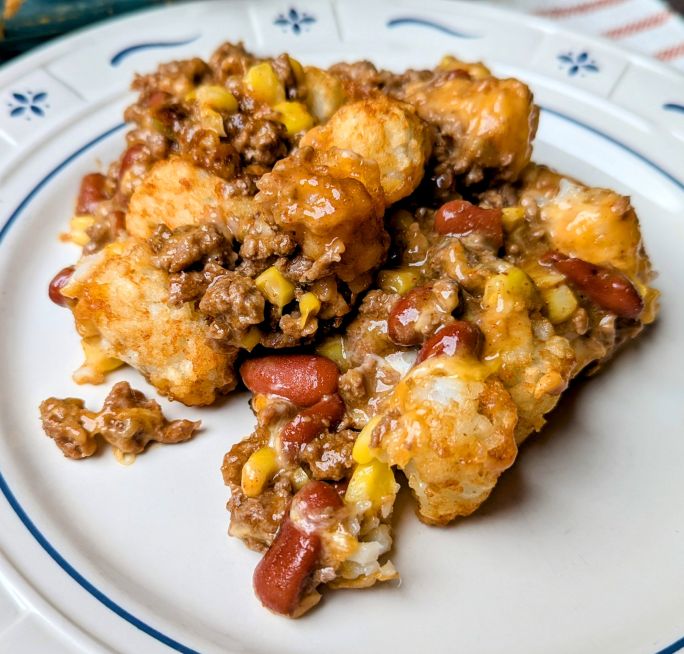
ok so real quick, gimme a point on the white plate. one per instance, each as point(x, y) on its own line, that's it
point(581, 547)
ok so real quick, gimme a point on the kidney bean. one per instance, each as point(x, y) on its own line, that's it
point(403, 318)
point(315, 500)
point(309, 423)
point(59, 281)
point(281, 576)
point(302, 378)
point(461, 218)
point(91, 193)
point(460, 337)
point(133, 155)
point(608, 288)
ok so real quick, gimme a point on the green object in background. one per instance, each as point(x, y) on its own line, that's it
point(39, 20)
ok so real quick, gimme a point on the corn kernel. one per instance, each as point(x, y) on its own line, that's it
point(362, 451)
point(212, 120)
point(299, 478)
point(264, 85)
point(294, 116)
point(258, 470)
point(309, 305)
point(333, 348)
point(560, 303)
point(215, 97)
point(398, 281)
point(511, 217)
point(371, 482)
point(96, 358)
point(504, 289)
point(251, 339)
point(77, 229)
point(544, 277)
point(275, 287)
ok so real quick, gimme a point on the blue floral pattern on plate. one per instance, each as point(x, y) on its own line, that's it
point(673, 106)
point(579, 64)
point(294, 20)
point(28, 104)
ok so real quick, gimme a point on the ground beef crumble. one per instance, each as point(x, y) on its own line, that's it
point(128, 421)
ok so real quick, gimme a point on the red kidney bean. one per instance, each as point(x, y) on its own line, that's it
point(91, 193)
point(608, 288)
point(59, 281)
point(403, 318)
point(282, 575)
point(302, 378)
point(460, 337)
point(315, 500)
point(133, 155)
point(309, 423)
point(461, 218)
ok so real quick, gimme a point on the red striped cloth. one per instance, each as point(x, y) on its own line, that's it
point(647, 26)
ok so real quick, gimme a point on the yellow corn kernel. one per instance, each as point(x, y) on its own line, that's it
point(95, 358)
point(263, 84)
point(299, 478)
point(297, 69)
point(294, 116)
point(212, 120)
point(398, 281)
point(309, 305)
point(511, 217)
point(215, 97)
point(560, 302)
point(251, 339)
point(506, 288)
point(275, 287)
point(116, 248)
point(333, 348)
point(543, 277)
point(77, 229)
point(362, 451)
point(258, 470)
point(371, 482)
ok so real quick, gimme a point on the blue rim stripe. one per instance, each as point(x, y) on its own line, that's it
point(424, 22)
point(9, 496)
point(126, 52)
point(36, 533)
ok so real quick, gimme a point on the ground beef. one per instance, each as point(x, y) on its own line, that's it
point(190, 286)
point(128, 421)
point(206, 149)
point(235, 303)
point(189, 244)
point(254, 519)
point(62, 422)
point(177, 78)
point(368, 332)
point(109, 225)
point(230, 60)
point(258, 140)
point(329, 456)
point(264, 240)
